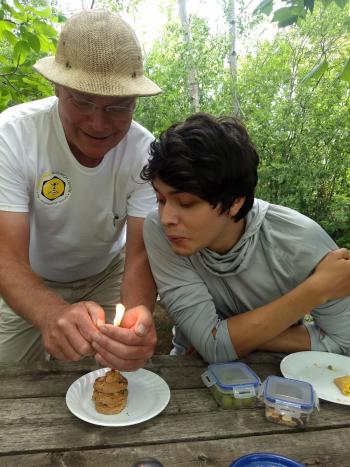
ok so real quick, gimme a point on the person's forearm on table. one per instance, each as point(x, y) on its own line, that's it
point(253, 329)
point(294, 339)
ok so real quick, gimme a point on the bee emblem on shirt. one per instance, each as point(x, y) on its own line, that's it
point(53, 189)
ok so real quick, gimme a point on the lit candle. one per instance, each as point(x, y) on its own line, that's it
point(119, 313)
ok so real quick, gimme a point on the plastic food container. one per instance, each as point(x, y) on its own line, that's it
point(233, 384)
point(265, 459)
point(288, 401)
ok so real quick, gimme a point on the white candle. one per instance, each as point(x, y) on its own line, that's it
point(119, 313)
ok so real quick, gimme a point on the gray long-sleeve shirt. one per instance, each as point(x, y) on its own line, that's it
point(278, 250)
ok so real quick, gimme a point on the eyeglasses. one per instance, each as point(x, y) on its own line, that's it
point(115, 112)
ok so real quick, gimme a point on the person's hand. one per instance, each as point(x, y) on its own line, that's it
point(67, 331)
point(332, 275)
point(129, 346)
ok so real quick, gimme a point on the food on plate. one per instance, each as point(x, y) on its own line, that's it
point(110, 393)
point(343, 383)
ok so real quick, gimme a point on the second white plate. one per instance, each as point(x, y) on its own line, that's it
point(148, 395)
point(318, 369)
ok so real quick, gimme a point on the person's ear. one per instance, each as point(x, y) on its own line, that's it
point(236, 206)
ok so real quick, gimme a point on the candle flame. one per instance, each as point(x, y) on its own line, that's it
point(119, 313)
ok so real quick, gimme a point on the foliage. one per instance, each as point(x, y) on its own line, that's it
point(166, 65)
point(26, 34)
point(294, 13)
point(295, 107)
point(302, 130)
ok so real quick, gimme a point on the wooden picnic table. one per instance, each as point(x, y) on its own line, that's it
point(37, 429)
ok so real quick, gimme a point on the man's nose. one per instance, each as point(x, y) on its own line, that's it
point(99, 120)
point(167, 214)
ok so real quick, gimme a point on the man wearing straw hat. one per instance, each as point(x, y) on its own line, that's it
point(69, 184)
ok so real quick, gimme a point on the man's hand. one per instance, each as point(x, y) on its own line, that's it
point(332, 275)
point(67, 331)
point(129, 346)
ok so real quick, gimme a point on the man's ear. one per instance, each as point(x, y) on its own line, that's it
point(236, 206)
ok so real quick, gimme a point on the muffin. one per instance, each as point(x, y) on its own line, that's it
point(110, 393)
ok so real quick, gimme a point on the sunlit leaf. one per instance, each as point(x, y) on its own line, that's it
point(20, 52)
point(285, 15)
point(32, 40)
point(10, 37)
point(264, 7)
point(316, 72)
point(6, 25)
point(42, 12)
point(44, 28)
point(345, 73)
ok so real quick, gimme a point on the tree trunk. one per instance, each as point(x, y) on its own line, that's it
point(192, 73)
point(233, 58)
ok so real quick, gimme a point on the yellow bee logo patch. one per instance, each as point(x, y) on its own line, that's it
point(53, 189)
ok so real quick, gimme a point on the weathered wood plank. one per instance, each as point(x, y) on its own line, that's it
point(35, 424)
point(329, 448)
point(86, 365)
point(51, 381)
point(57, 384)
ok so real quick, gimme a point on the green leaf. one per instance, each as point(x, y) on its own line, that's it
point(265, 7)
point(6, 26)
point(43, 28)
point(20, 52)
point(288, 21)
point(288, 15)
point(32, 40)
point(10, 37)
point(317, 71)
point(345, 73)
point(45, 45)
point(44, 12)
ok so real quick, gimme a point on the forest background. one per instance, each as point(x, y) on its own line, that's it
point(291, 88)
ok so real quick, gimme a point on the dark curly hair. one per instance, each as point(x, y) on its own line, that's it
point(212, 158)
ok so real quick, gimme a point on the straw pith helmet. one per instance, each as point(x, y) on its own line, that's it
point(98, 53)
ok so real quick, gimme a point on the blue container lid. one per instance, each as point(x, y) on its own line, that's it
point(231, 375)
point(265, 459)
point(291, 392)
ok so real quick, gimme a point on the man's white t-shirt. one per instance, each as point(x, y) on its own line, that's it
point(77, 214)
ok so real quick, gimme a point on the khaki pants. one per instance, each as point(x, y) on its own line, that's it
point(21, 342)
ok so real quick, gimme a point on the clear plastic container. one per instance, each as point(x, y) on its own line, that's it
point(234, 385)
point(288, 401)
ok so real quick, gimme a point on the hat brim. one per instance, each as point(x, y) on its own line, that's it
point(96, 83)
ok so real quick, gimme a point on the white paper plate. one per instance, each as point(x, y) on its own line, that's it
point(319, 369)
point(148, 395)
